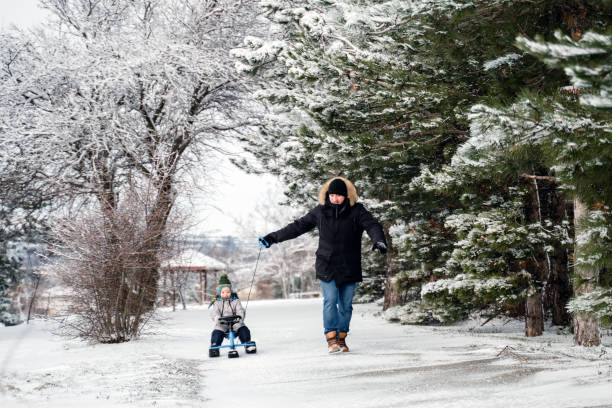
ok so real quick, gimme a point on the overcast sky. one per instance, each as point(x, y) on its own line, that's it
point(23, 13)
point(234, 194)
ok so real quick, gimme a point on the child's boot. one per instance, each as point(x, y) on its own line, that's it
point(213, 352)
point(342, 341)
point(332, 342)
point(252, 349)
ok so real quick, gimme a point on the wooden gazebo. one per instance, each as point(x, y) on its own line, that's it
point(189, 261)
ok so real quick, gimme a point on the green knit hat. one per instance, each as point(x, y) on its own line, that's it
point(223, 282)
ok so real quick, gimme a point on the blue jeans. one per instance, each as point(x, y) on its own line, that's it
point(337, 306)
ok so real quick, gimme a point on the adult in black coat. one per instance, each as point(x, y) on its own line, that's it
point(341, 221)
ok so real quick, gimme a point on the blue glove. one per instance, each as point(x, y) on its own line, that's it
point(266, 242)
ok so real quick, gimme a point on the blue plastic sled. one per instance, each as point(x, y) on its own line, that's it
point(231, 335)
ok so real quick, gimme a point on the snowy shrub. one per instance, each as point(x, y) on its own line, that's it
point(409, 313)
point(8, 315)
point(597, 303)
point(10, 276)
point(486, 269)
point(109, 261)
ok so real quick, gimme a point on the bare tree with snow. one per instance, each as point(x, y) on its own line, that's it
point(120, 95)
point(287, 263)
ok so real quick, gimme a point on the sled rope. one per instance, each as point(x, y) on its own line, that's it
point(252, 280)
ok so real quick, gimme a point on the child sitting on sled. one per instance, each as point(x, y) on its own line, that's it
point(227, 304)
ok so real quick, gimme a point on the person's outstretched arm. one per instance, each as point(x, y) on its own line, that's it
point(374, 230)
point(295, 229)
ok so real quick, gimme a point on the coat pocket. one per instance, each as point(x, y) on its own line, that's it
point(321, 265)
point(322, 253)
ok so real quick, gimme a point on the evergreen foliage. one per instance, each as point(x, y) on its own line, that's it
point(10, 275)
point(580, 152)
point(462, 132)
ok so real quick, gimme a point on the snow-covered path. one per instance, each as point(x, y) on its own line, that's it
point(389, 366)
point(39, 369)
point(401, 366)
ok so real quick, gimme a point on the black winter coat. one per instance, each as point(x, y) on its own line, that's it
point(340, 231)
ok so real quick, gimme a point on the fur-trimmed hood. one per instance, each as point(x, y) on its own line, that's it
point(350, 188)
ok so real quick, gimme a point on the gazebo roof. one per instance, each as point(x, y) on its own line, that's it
point(190, 259)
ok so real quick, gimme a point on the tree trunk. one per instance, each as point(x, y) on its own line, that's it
point(165, 288)
point(181, 294)
point(586, 326)
point(539, 267)
point(560, 290)
point(534, 315)
point(156, 222)
point(205, 286)
point(173, 293)
point(586, 330)
point(392, 296)
point(559, 296)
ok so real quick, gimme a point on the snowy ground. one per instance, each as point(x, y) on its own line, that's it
point(389, 365)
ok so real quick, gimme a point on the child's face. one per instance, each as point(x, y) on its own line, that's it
point(225, 293)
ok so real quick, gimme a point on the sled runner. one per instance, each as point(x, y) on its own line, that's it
point(250, 347)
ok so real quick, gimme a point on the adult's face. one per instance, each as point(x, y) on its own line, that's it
point(336, 198)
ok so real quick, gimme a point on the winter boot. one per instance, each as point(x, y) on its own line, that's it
point(342, 341)
point(213, 352)
point(332, 342)
point(251, 349)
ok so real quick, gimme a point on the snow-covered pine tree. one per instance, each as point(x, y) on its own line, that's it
point(581, 155)
point(520, 165)
point(10, 275)
point(22, 201)
point(349, 97)
point(524, 140)
point(377, 89)
point(511, 206)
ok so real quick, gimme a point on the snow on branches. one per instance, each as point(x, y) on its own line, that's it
point(122, 97)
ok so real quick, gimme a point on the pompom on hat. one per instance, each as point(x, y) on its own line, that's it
point(223, 282)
